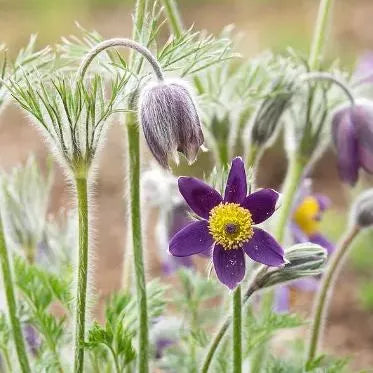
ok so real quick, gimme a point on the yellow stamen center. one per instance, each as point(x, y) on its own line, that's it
point(230, 225)
point(306, 215)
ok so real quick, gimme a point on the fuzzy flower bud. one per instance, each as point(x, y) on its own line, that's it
point(303, 260)
point(268, 116)
point(170, 121)
point(352, 131)
point(362, 211)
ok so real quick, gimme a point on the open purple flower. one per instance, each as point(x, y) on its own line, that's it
point(305, 224)
point(227, 225)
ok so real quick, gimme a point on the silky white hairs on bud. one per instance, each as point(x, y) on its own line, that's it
point(170, 121)
point(362, 211)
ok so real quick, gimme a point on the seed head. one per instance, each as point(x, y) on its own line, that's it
point(170, 121)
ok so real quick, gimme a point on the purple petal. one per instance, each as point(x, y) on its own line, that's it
point(306, 284)
point(323, 201)
point(200, 197)
point(282, 299)
point(192, 239)
point(261, 204)
point(345, 138)
point(229, 265)
point(364, 68)
point(263, 248)
point(362, 116)
point(366, 158)
point(298, 235)
point(236, 188)
point(319, 239)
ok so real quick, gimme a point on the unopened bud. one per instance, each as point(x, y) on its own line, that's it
point(363, 209)
point(353, 137)
point(170, 121)
point(268, 115)
point(303, 260)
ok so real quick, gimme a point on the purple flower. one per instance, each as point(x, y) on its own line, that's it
point(364, 68)
point(32, 338)
point(170, 121)
point(305, 225)
point(227, 225)
point(352, 131)
point(178, 220)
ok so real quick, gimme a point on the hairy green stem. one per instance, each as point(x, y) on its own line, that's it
point(319, 36)
point(237, 331)
point(292, 179)
point(222, 330)
point(81, 297)
point(173, 17)
point(325, 290)
point(133, 138)
point(331, 78)
point(11, 304)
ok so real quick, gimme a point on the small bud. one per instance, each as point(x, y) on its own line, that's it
point(170, 121)
point(362, 210)
point(303, 260)
point(352, 131)
point(268, 115)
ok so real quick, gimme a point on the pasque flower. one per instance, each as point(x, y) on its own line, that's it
point(170, 121)
point(227, 225)
point(305, 224)
point(353, 137)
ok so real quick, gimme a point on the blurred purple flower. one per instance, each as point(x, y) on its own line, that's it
point(226, 224)
point(161, 345)
point(305, 227)
point(305, 224)
point(177, 221)
point(352, 131)
point(364, 68)
point(32, 338)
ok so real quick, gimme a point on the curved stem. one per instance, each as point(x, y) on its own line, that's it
point(331, 78)
point(11, 303)
point(222, 330)
point(237, 331)
point(120, 42)
point(173, 16)
point(326, 287)
point(81, 297)
point(135, 214)
point(319, 36)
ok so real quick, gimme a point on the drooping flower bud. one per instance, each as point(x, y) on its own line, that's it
point(269, 113)
point(352, 130)
point(303, 260)
point(363, 209)
point(170, 121)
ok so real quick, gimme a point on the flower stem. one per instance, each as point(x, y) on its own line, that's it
point(223, 328)
point(326, 287)
point(120, 42)
point(296, 167)
point(81, 297)
point(173, 16)
point(331, 78)
point(11, 303)
point(319, 36)
point(133, 138)
point(237, 331)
